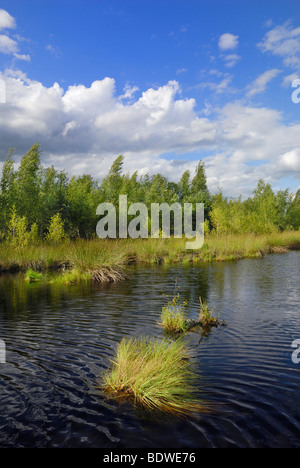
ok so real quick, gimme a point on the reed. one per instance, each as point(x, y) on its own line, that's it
point(154, 374)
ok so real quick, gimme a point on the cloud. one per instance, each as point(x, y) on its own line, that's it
point(82, 129)
point(231, 60)
point(129, 92)
point(290, 161)
point(228, 42)
point(24, 57)
point(283, 41)
point(54, 50)
point(7, 45)
point(253, 143)
point(6, 20)
point(288, 80)
point(95, 120)
point(259, 85)
point(181, 70)
point(220, 87)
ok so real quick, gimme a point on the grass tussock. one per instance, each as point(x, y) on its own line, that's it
point(75, 276)
point(71, 277)
point(154, 374)
point(108, 275)
point(206, 318)
point(174, 321)
point(32, 276)
point(173, 316)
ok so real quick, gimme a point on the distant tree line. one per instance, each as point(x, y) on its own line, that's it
point(43, 203)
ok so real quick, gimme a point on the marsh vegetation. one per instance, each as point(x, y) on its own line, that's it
point(155, 374)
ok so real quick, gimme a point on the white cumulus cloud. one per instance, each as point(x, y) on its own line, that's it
point(82, 129)
point(7, 45)
point(228, 41)
point(6, 20)
point(283, 41)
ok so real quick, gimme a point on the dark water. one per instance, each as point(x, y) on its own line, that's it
point(60, 339)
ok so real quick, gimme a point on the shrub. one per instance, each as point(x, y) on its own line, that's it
point(56, 232)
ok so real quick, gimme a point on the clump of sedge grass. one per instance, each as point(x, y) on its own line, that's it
point(32, 276)
point(102, 275)
point(154, 374)
point(108, 275)
point(205, 314)
point(71, 277)
point(206, 318)
point(173, 318)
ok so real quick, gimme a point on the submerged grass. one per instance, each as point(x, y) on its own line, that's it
point(154, 374)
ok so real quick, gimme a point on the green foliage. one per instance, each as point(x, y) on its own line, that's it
point(56, 232)
point(293, 212)
point(32, 276)
point(112, 183)
point(39, 193)
point(28, 184)
point(71, 277)
point(52, 197)
point(18, 236)
point(83, 197)
point(7, 191)
point(33, 235)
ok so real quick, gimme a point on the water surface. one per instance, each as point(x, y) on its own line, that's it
point(60, 340)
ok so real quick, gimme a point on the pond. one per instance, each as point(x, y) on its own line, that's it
point(60, 339)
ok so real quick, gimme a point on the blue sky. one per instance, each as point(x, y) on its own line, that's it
point(165, 83)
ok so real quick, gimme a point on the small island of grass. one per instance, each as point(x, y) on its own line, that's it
point(154, 374)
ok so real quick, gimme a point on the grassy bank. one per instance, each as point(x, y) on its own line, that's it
point(105, 260)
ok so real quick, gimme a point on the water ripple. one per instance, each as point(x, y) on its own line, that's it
point(60, 340)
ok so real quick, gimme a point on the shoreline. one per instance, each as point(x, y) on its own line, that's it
point(104, 260)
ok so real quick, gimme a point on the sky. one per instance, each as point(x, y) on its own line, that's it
point(165, 83)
